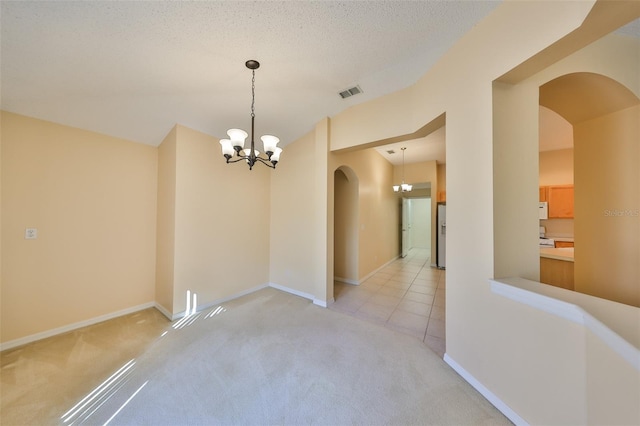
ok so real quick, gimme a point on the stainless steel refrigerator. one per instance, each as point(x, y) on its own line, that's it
point(441, 236)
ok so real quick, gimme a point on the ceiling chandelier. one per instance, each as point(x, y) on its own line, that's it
point(235, 144)
point(404, 187)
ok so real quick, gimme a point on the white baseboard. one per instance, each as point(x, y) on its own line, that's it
point(322, 303)
point(164, 311)
point(490, 396)
point(172, 317)
point(70, 327)
point(346, 280)
point(208, 305)
point(292, 291)
point(309, 296)
point(372, 273)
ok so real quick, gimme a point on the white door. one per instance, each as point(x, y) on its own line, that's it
point(406, 226)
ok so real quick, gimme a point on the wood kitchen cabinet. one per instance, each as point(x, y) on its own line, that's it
point(560, 199)
point(557, 273)
point(442, 196)
point(563, 244)
point(543, 193)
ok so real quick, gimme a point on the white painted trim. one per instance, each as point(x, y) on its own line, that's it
point(544, 303)
point(323, 303)
point(370, 274)
point(293, 291)
point(316, 301)
point(490, 396)
point(70, 327)
point(346, 280)
point(366, 277)
point(164, 311)
point(510, 288)
point(172, 317)
point(208, 305)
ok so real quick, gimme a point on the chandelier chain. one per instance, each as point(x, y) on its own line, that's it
point(253, 93)
point(403, 164)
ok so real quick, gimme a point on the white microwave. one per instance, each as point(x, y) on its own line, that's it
point(544, 210)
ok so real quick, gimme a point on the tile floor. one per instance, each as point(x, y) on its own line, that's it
point(407, 295)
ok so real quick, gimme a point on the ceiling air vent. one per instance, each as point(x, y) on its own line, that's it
point(350, 92)
point(391, 151)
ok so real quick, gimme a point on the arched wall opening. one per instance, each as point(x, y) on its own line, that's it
point(346, 212)
point(604, 114)
point(380, 208)
point(606, 151)
point(494, 204)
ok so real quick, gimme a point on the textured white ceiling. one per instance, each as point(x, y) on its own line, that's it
point(135, 69)
point(431, 147)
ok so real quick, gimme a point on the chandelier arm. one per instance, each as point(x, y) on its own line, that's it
point(266, 162)
point(242, 157)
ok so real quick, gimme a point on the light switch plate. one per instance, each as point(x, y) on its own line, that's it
point(31, 234)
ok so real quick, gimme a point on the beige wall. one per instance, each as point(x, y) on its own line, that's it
point(533, 362)
point(492, 195)
point(610, 390)
point(545, 385)
point(93, 200)
point(1, 204)
point(515, 181)
point(346, 229)
point(378, 207)
point(222, 217)
point(293, 218)
point(166, 223)
point(607, 226)
point(323, 217)
point(556, 167)
point(377, 120)
point(441, 171)
point(609, 56)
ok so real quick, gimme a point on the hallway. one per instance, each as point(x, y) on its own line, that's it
point(407, 295)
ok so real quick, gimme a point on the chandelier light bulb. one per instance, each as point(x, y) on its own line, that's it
point(237, 137)
point(269, 143)
point(227, 148)
point(275, 157)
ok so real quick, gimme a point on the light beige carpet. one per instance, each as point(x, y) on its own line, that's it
point(272, 358)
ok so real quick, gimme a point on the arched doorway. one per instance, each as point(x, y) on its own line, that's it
point(606, 153)
point(345, 225)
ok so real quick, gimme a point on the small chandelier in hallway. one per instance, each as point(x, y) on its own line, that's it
point(404, 187)
point(235, 143)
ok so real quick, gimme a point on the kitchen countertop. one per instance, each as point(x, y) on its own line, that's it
point(561, 239)
point(563, 253)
